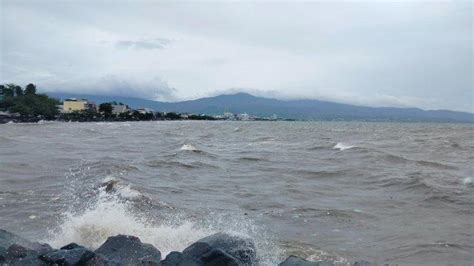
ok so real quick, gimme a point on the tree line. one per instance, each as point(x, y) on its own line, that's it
point(32, 106)
point(27, 102)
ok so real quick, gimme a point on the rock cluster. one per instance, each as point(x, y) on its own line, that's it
point(216, 250)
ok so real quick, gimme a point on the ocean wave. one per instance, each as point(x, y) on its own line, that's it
point(342, 146)
point(169, 164)
point(392, 158)
point(405, 183)
point(253, 159)
point(312, 253)
point(426, 250)
point(174, 163)
point(109, 214)
point(322, 173)
point(435, 164)
point(95, 224)
point(467, 181)
point(264, 139)
point(322, 147)
point(189, 147)
point(338, 214)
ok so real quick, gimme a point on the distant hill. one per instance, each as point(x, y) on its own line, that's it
point(291, 109)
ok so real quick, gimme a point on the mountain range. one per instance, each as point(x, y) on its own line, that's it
point(286, 109)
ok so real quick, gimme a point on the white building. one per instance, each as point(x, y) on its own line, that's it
point(119, 108)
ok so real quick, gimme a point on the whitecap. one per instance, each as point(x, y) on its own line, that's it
point(341, 146)
point(188, 147)
point(467, 181)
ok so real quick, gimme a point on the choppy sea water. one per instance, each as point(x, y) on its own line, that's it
point(386, 192)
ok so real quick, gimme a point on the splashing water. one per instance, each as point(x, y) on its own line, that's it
point(113, 213)
point(111, 216)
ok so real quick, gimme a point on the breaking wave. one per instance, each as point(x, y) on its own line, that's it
point(189, 147)
point(111, 216)
point(114, 211)
point(341, 146)
point(467, 181)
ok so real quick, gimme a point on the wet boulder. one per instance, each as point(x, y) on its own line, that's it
point(19, 255)
point(72, 254)
point(297, 261)
point(176, 258)
point(3, 255)
point(7, 239)
point(101, 260)
point(223, 249)
point(217, 257)
point(129, 250)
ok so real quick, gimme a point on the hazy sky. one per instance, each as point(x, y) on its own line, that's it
point(372, 53)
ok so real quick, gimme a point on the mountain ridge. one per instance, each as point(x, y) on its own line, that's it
point(303, 109)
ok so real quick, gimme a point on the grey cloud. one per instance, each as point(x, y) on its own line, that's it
point(372, 53)
point(154, 88)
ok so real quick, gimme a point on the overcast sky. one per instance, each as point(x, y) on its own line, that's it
point(370, 53)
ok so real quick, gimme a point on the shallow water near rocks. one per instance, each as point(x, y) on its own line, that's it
point(384, 192)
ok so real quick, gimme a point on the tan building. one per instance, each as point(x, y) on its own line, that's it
point(73, 104)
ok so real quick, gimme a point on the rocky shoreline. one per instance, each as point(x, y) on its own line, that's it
point(219, 249)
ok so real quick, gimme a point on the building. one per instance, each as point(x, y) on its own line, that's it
point(229, 116)
point(92, 106)
point(119, 108)
point(74, 105)
point(144, 110)
point(243, 117)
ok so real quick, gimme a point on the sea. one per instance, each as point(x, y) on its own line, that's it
point(388, 193)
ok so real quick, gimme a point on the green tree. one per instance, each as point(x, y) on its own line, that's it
point(30, 89)
point(106, 109)
point(18, 91)
point(9, 90)
point(172, 116)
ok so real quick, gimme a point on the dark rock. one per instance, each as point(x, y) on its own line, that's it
point(43, 249)
point(239, 248)
point(21, 256)
point(28, 261)
point(71, 246)
point(129, 250)
point(101, 260)
point(176, 258)
point(297, 261)
point(71, 254)
point(7, 239)
point(362, 263)
point(3, 255)
point(218, 257)
point(17, 251)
